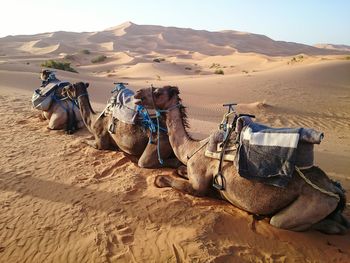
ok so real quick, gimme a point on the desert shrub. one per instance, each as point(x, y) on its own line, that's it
point(85, 52)
point(62, 65)
point(215, 65)
point(347, 58)
point(219, 71)
point(69, 57)
point(158, 60)
point(245, 71)
point(98, 59)
point(188, 68)
point(296, 59)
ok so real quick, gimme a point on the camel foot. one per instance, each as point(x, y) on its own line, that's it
point(182, 171)
point(70, 132)
point(330, 227)
point(162, 181)
point(91, 143)
point(342, 220)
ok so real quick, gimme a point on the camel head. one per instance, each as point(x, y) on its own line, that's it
point(159, 98)
point(73, 91)
point(45, 74)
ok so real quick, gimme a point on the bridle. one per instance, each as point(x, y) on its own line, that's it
point(71, 97)
point(159, 111)
point(158, 115)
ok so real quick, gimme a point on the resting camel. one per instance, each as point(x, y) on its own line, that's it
point(60, 112)
point(297, 207)
point(130, 138)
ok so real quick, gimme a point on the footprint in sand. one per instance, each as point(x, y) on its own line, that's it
point(110, 169)
point(22, 122)
point(125, 234)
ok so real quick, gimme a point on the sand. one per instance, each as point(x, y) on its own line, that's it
point(62, 201)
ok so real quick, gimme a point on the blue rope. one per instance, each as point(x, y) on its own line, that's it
point(148, 123)
point(158, 141)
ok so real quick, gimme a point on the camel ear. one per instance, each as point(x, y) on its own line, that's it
point(87, 84)
point(173, 90)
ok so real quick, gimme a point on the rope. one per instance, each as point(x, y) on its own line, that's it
point(81, 95)
point(315, 186)
point(158, 141)
point(198, 149)
point(148, 123)
point(170, 109)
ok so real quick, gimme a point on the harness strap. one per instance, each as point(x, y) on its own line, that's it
point(81, 95)
point(301, 174)
point(219, 179)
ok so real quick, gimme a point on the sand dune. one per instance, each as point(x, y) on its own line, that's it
point(63, 201)
point(145, 38)
point(334, 47)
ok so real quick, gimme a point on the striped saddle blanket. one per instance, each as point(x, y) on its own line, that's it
point(268, 154)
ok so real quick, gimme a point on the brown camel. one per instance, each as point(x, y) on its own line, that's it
point(61, 109)
point(130, 138)
point(297, 207)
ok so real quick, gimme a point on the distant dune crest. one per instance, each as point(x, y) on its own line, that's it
point(163, 40)
point(334, 47)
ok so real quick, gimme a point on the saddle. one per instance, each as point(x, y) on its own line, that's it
point(42, 98)
point(259, 152)
point(214, 147)
point(121, 106)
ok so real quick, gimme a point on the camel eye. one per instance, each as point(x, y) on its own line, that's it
point(157, 94)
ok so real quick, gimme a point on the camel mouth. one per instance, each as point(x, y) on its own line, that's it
point(138, 101)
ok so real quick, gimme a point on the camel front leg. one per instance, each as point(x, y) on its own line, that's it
point(149, 157)
point(197, 187)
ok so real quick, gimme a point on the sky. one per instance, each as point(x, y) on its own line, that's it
point(303, 21)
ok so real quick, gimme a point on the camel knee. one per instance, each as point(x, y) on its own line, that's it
point(282, 223)
point(304, 212)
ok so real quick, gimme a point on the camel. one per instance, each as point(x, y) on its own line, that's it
point(132, 139)
point(63, 113)
point(297, 207)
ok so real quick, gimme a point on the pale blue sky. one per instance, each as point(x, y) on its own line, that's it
point(304, 21)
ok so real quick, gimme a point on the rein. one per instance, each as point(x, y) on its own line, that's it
point(81, 95)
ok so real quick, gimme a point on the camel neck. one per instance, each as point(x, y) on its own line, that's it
point(182, 144)
point(86, 110)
